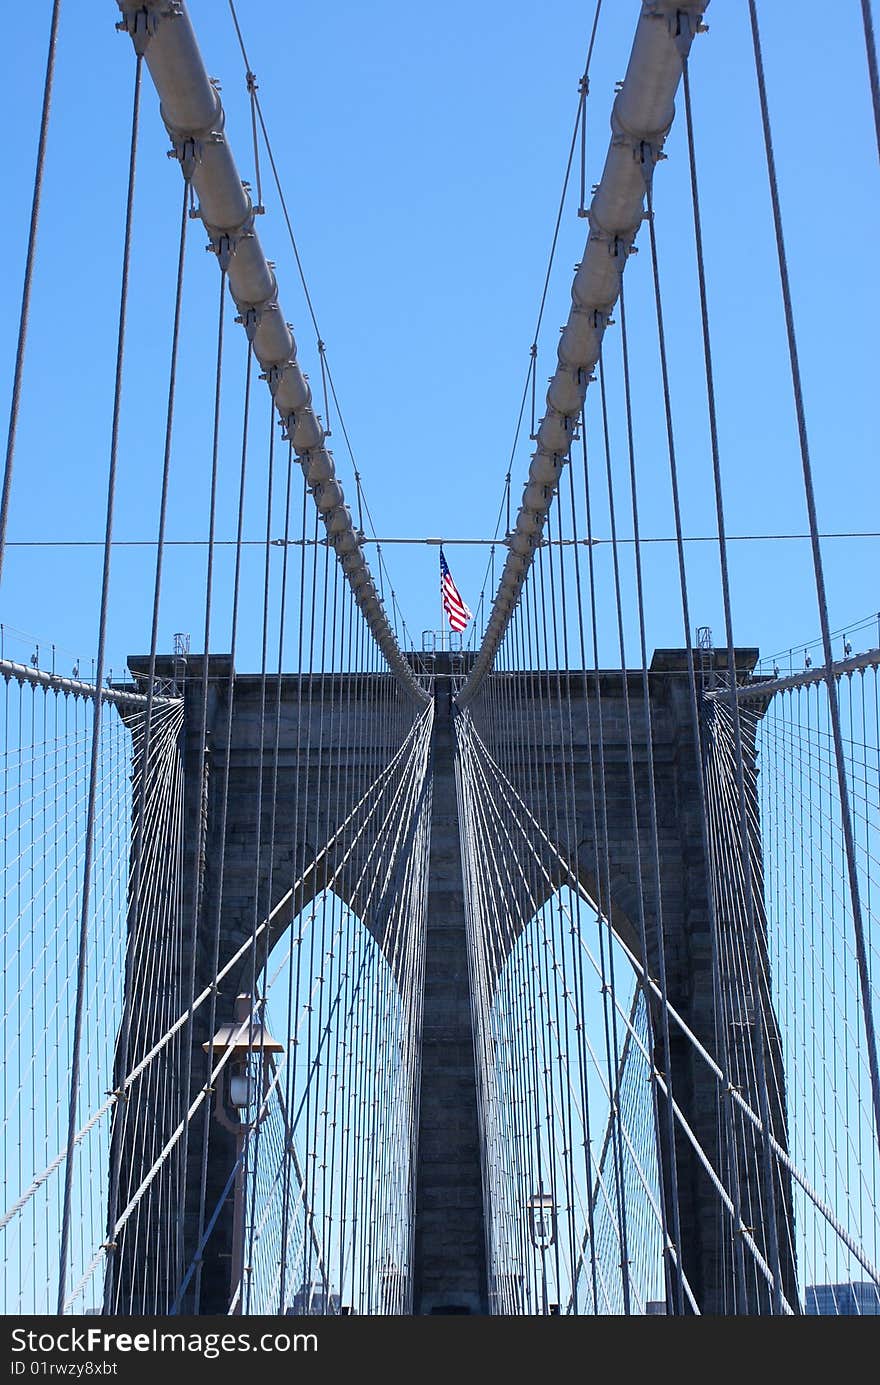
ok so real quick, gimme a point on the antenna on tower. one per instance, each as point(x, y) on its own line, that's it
point(181, 649)
point(707, 660)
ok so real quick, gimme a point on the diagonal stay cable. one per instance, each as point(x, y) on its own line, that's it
point(721, 1076)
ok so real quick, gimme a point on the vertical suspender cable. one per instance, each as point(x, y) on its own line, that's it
point(748, 880)
point(642, 116)
point(193, 116)
point(871, 51)
point(28, 282)
point(604, 915)
point(721, 1020)
point(295, 954)
point(88, 849)
point(258, 971)
point(137, 919)
point(224, 806)
point(672, 1192)
point(201, 754)
point(833, 705)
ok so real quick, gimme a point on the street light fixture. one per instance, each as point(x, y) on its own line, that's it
point(542, 1232)
point(246, 1075)
point(244, 1082)
point(542, 1220)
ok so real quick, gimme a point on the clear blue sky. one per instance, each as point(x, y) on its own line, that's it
point(422, 153)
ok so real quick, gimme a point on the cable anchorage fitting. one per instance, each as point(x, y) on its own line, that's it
point(140, 21)
point(274, 374)
point(257, 209)
point(224, 240)
point(250, 318)
point(187, 145)
point(683, 24)
point(188, 153)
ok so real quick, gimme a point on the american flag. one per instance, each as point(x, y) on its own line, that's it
point(457, 612)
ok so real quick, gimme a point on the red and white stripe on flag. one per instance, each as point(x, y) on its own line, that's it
point(457, 612)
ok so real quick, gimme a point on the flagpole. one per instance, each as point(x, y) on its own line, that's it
point(442, 611)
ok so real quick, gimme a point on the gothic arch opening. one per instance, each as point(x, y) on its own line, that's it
point(328, 1227)
point(569, 1135)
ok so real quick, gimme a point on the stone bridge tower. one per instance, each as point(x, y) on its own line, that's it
point(449, 1253)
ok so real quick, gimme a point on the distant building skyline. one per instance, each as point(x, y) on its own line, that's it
point(849, 1300)
point(313, 1300)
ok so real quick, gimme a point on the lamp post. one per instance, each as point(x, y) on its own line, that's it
point(243, 1084)
point(542, 1233)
